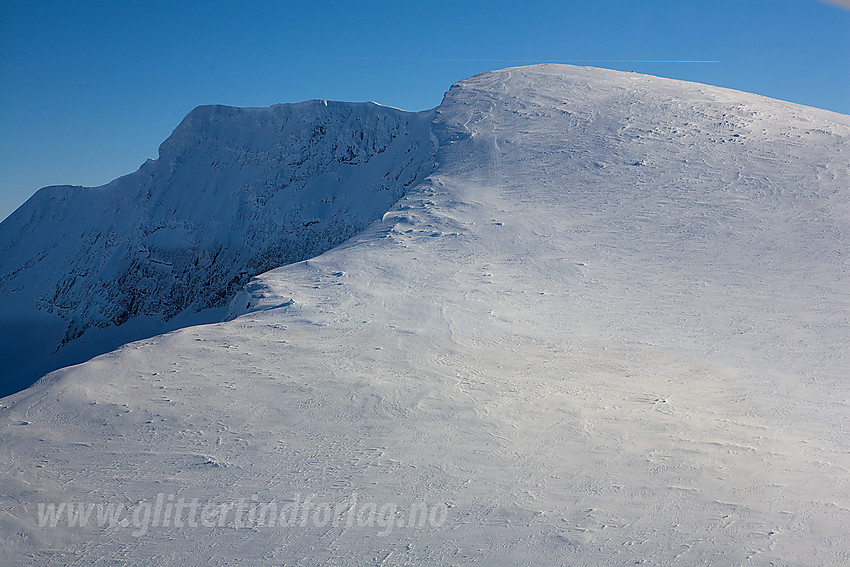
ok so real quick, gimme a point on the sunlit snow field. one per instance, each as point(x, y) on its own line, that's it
point(610, 328)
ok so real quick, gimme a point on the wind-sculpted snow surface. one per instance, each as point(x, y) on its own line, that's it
point(235, 192)
point(610, 328)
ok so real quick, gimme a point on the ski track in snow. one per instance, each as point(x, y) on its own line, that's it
point(610, 328)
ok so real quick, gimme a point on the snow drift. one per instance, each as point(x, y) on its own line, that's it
point(610, 327)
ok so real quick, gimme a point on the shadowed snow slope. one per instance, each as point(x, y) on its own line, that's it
point(610, 328)
point(235, 192)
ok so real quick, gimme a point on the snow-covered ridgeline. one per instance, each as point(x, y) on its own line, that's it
point(610, 328)
point(234, 192)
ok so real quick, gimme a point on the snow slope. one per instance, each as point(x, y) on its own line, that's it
point(611, 328)
point(235, 192)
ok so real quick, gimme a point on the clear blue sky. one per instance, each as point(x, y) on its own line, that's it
point(90, 89)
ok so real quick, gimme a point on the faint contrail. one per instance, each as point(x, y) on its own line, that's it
point(487, 60)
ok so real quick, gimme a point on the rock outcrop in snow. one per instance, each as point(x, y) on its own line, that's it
point(235, 192)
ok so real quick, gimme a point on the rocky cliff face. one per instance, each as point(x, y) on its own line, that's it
point(234, 192)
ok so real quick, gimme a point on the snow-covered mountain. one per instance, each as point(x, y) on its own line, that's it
point(235, 192)
point(609, 328)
